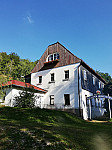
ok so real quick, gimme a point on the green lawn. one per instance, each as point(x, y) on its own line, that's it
point(40, 129)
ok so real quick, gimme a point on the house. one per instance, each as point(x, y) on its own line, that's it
point(69, 81)
point(14, 87)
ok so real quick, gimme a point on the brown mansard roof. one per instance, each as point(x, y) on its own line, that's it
point(66, 58)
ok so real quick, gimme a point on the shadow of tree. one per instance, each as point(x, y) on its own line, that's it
point(45, 129)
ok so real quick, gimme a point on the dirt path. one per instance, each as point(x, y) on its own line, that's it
point(97, 121)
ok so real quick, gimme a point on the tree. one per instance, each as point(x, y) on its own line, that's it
point(12, 66)
point(108, 86)
point(108, 89)
point(26, 98)
point(105, 76)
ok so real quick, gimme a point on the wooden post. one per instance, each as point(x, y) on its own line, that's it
point(109, 107)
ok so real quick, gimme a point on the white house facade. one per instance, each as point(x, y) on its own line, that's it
point(68, 81)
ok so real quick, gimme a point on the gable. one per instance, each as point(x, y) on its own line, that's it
point(65, 58)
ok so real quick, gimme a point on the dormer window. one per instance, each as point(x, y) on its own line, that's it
point(56, 56)
point(52, 57)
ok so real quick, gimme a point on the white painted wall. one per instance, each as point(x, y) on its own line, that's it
point(8, 97)
point(11, 92)
point(60, 87)
point(83, 102)
point(96, 109)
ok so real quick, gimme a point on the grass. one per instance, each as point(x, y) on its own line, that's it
point(39, 129)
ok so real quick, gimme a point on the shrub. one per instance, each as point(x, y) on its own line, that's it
point(26, 99)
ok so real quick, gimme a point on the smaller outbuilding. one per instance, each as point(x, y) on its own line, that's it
point(14, 87)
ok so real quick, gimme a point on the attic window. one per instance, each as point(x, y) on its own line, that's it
point(52, 57)
point(56, 56)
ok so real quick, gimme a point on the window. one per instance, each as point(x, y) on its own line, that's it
point(52, 76)
point(56, 56)
point(102, 85)
point(52, 57)
point(40, 79)
point(91, 101)
point(51, 99)
point(67, 99)
point(67, 74)
point(85, 74)
point(87, 101)
point(96, 102)
point(99, 84)
point(93, 80)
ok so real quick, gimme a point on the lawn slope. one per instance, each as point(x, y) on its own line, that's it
point(39, 129)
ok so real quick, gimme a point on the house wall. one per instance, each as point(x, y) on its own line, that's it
point(60, 86)
point(88, 84)
point(8, 97)
point(84, 107)
point(75, 86)
point(14, 91)
point(87, 89)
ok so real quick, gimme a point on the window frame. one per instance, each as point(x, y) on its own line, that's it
point(99, 85)
point(55, 56)
point(85, 74)
point(67, 101)
point(94, 80)
point(51, 99)
point(40, 79)
point(49, 57)
point(66, 74)
point(52, 77)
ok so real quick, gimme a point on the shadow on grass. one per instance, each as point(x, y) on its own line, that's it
point(44, 129)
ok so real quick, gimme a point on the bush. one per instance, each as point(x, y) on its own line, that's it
point(26, 99)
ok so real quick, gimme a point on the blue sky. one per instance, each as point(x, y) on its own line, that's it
point(84, 27)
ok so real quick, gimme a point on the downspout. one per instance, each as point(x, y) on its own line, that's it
point(79, 93)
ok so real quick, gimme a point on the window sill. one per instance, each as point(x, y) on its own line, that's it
point(51, 82)
point(65, 80)
point(39, 84)
point(52, 61)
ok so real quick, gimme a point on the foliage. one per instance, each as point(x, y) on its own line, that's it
point(50, 130)
point(13, 66)
point(25, 99)
point(108, 86)
point(105, 76)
